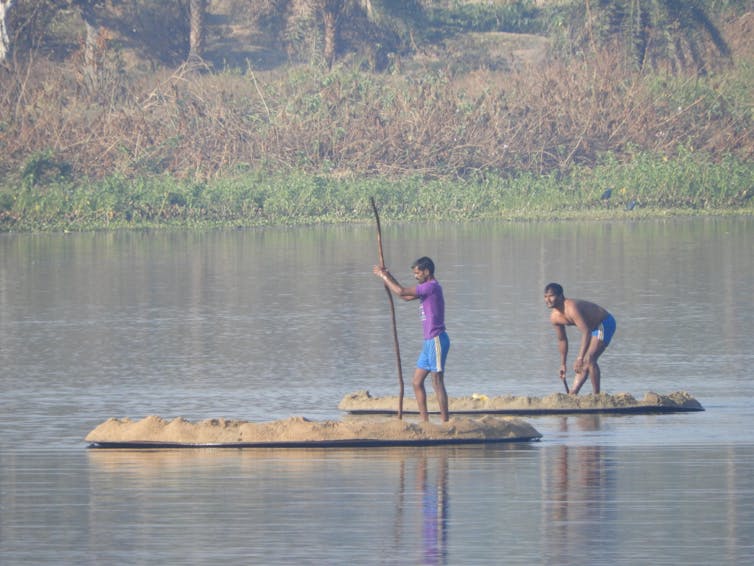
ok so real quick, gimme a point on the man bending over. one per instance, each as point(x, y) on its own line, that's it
point(596, 325)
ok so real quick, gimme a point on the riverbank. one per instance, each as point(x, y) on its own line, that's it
point(649, 186)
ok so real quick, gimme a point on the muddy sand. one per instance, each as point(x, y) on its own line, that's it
point(154, 431)
point(478, 426)
point(362, 402)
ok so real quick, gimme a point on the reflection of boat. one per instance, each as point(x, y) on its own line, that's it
point(557, 404)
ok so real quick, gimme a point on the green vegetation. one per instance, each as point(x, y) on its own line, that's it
point(649, 185)
point(499, 110)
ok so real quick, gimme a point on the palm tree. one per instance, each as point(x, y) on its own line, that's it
point(92, 55)
point(680, 33)
point(332, 20)
point(198, 11)
point(332, 13)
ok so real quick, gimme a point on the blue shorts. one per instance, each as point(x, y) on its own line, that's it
point(434, 353)
point(605, 330)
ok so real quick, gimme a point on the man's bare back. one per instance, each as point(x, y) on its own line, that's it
point(575, 312)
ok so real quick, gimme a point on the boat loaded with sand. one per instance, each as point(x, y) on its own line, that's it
point(474, 420)
point(298, 432)
point(362, 403)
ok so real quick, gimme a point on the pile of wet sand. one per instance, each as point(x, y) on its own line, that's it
point(297, 431)
point(363, 402)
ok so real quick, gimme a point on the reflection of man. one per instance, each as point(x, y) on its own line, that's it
point(436, 341)
point(597, 327)
point(434, 512)
point(578, 489)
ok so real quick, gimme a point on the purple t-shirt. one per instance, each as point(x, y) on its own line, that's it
point(432, 308)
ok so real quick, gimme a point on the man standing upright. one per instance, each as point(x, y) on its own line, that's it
point(596, 325)
point(436, 340)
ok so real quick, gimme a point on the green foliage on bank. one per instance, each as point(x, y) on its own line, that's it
point(647, 186)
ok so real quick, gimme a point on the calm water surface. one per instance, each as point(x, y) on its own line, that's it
point(266, 324)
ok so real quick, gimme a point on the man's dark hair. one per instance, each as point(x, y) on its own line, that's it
point(424, 263)
point(554, 288)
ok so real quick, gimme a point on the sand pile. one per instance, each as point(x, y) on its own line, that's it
point(297, 431)
point(363, 402)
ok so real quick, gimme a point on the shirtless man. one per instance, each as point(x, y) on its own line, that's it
point(597, 327)
point(436, 342)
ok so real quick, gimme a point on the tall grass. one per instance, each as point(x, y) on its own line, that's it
point(541, 120)
point(688, 183)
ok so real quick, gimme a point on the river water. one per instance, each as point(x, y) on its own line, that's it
point(264, 324)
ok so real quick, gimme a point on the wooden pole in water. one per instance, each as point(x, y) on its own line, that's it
point(392, 313)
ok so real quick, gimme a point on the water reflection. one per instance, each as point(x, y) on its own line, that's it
point(399, 496)
point(432, 482)
point(579, 486)
point(532, 504)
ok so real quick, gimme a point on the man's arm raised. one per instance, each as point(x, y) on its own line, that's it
point(405, 293)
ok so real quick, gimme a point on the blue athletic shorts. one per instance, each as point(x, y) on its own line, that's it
point(434, 353)
point(605, 330)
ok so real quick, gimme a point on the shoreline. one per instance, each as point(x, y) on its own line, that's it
point(512, 216)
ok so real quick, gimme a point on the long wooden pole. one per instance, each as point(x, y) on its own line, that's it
point(392, 313)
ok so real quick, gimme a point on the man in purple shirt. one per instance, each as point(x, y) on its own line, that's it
point(436, 340)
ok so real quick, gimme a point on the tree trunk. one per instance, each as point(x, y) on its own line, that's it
point(329, 39)
point(198, 10)
point(5, 6)
point(331, 11)
point(91, 56)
